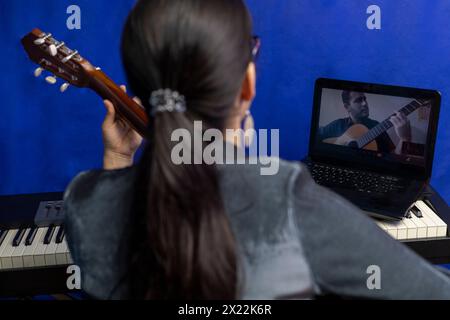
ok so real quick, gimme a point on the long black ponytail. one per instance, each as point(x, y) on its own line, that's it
point(182, 245)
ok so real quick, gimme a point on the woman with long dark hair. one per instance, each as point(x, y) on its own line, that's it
point(165, 230)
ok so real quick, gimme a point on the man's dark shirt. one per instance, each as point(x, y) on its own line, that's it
point(338, 127)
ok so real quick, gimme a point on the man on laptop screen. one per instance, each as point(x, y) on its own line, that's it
point(373, 143)
point(347, 118)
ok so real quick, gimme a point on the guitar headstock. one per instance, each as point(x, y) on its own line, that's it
point(54, 56)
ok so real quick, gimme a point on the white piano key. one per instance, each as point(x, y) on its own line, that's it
point(402, 230)
point(4, 245)
point(440, 225)
point(28, 260)
point(5, 255)
point(17, 255)
point(421, 227)
point(39, 252)
point(61, 252)
point(386, 227)
point(431, 226)
point(380, 224)
point(50, 251)
point(391, 228)
point(411, 228)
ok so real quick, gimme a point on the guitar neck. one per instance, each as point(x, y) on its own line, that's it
point(126, 107)
point(384, 126)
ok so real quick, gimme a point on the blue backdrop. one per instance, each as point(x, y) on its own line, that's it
point(47, 137)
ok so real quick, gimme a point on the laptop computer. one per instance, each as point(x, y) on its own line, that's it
point(358, 150)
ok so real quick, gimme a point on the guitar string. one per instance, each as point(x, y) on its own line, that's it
point(385, 125)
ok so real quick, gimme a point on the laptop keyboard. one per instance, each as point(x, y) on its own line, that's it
point(361, 181)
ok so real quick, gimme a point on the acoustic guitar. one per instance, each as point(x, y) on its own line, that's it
point(360, 137)
point(62, 62)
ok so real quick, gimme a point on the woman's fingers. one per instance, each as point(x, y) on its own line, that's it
point(136, 99)
point(110, 114)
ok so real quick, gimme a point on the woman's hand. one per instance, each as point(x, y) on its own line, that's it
point(119, 139)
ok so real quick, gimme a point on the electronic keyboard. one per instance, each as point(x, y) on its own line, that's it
point(426, 230)
point(427, 234)
point(34, 255)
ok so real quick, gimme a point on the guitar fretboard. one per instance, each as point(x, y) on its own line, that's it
point(382, 127)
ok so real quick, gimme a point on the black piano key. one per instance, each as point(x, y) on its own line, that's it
point(416, 211)
point(19, 236)
point(430, 204)
point(49, 234)
point(31, 235)
point(3, 234)
point(60, 235)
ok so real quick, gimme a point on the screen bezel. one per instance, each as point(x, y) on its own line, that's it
point(344, 156)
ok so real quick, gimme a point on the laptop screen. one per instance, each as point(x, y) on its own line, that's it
point(375, 126)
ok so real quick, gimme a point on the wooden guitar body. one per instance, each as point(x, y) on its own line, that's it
point(352, 134)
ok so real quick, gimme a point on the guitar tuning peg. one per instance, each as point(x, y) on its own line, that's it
point(50, 79)
point(38, 72)
point(41, 40)
point(52, 50)
point(64, 87)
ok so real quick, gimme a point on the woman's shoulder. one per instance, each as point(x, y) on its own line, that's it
point(263, 170)
point(89, 184)
point(248, 188)
point(96, 205)
point(96, 196)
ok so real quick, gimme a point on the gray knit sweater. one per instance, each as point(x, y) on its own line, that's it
point(295, 239)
